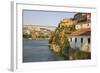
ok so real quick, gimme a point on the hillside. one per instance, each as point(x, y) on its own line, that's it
point(59, 39)
point(36, 32)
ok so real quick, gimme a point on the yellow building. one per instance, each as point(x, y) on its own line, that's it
point(66, 22)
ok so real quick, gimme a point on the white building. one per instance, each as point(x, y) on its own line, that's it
point(85, 24)
point(80, 39)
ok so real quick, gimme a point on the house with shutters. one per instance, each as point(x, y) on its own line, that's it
point(81, 37)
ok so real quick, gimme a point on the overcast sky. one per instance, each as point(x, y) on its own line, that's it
point(47, 18)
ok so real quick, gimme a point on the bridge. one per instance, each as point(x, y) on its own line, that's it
point(39, 38)
point(38, 27)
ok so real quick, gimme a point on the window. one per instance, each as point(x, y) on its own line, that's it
point(81, 40)
point(88, 40)
point(87, 24)
point(71, 39)
point(75, 40)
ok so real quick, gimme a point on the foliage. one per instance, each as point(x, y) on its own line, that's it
point(72, 28)
point(59, 37)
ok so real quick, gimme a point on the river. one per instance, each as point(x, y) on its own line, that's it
point(38, 51)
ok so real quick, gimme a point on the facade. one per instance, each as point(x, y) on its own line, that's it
point(82, 20)
point(81, 25)
point(80, 39)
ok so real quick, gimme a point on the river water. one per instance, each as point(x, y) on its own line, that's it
point(38, 51)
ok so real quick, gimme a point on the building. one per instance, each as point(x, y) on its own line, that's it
point(82, 17)
point(80, 39)
point(27, 32)
point(84, 24)
point(82, 20)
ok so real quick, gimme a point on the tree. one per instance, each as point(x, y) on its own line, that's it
point(72, 28)
point(59, 38)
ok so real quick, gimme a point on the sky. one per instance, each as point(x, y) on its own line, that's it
point(46, 18)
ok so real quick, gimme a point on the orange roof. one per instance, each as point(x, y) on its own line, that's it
point(81, 32)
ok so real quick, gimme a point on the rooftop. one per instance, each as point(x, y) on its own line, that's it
point(84, 22)
point(81, 32)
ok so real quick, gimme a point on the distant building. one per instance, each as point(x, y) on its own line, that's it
point(26, 32)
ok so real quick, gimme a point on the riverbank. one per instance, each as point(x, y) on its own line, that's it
point(72, 54)
point(76, 54)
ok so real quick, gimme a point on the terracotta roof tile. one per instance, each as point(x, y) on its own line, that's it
point(81, 32)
